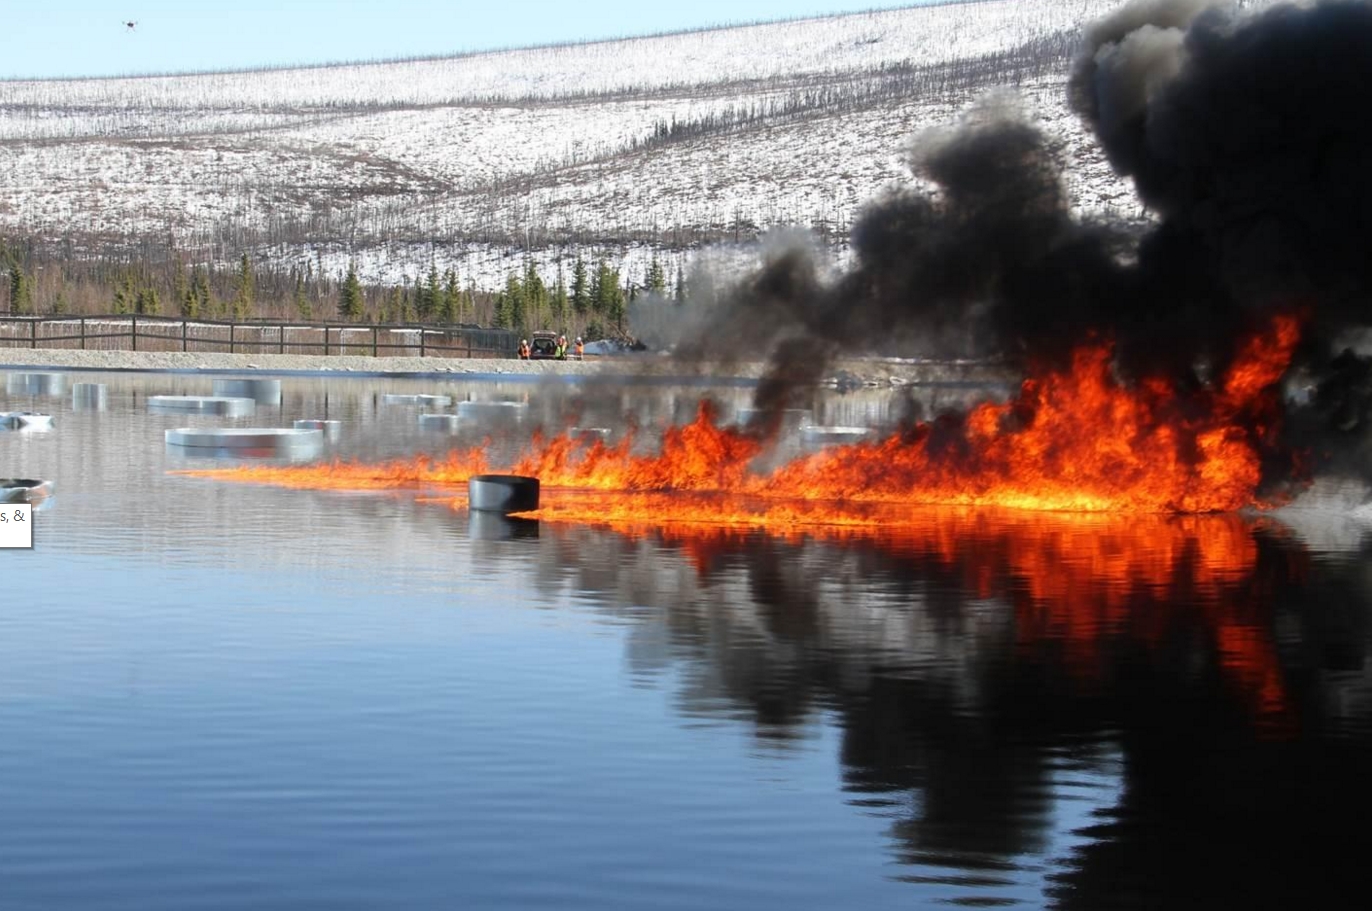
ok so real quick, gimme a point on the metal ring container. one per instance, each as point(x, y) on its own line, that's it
point(823, 435)
point(492, 409)
point(502, 493)
point(228, 406)
point(263, 392)
point(89, 397)
point(332, 429)
point(431, 401)
point(36, 383)
point(285, 439)
point(24, 490)
point(436, 420)
point(25, 420)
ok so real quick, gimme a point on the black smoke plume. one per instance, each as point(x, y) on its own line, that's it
point(1247, 136)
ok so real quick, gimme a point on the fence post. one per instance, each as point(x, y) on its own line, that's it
point(374, 331)
point(230, 338)
point(281, 349)
point(421, 341)
point(326, 341)
point(133, 330)
point(83, 333)
point(33, 333)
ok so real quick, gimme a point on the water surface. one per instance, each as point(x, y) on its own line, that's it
point(225, 696)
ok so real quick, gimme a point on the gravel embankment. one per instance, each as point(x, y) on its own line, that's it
point(14, 358)
point(852, 372)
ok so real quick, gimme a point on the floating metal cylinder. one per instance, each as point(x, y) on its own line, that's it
point(826, 435)
point(589, 435)
point(492, 409)
point(89, 397)
point(24, 490)
point(502, 493)
point(263, 392)
point(25, 420)
point(36, 383)
point(227, 406)
point(432, 401)
point(439, 421)
point(283, 439)
point(332, 430)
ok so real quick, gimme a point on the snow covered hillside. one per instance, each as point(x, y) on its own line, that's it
point(622, 148)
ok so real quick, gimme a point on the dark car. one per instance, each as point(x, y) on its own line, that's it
point(542, 346)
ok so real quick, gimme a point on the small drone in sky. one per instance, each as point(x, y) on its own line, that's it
point(130, 25)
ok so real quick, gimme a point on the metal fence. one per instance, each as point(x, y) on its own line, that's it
point(157, 333)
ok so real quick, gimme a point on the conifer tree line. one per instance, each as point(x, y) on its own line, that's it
point(591, 301)
point(583, 297)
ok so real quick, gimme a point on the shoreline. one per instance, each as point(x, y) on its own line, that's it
point(42, 359)
point(849, 372)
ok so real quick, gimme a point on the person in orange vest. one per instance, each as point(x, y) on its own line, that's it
point(580, 349)
point(524, 349)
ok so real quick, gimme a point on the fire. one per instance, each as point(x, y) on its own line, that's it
point(1127, 458)
point(1076, 440)
point(422, 471)
point(1072, 440)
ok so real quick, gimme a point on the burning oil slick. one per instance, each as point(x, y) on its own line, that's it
point(1244, 134)
point(1081, 451)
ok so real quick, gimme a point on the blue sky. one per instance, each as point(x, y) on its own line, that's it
point(53, 38)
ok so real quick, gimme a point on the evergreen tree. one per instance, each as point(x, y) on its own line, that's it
point(452, 298)
point(516, 312)
point(412, 298)
point(124, 296)
point(21, 289)
point(180, 285)
point(581, 293)
point(680, 294)
point(396, 306)
point(432, 304)
point(559, 302)
point(208, 305)
point(656, 280)
point(301, 300)
point(317, 284)
point(608, 296)
point(468, 306)
point(616, 309)
point(59, 303)
point(535, 297)
point(196, 301)
point(245, 290)
point(350, 296)
point(500, 316)
point(147, 303)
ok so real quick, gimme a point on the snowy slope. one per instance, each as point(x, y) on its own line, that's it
point(466, 161)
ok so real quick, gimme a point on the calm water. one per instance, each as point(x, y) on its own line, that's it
point(223, 696)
